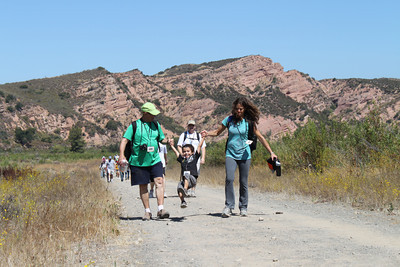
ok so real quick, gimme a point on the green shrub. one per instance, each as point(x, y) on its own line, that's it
point(10, 98)
point(64, 95)
point(24, 137)
point(75, 139)
point(113, 125)
point(19, 106)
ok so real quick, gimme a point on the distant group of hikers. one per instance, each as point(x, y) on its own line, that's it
point(148, 160)
point(110, 167)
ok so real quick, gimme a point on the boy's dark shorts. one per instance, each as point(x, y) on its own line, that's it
point(143, 175)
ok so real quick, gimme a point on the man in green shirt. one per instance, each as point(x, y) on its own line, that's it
point(145, 163)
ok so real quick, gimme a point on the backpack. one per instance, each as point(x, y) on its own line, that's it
point(129, 145)
point(185, 136)
point(251, 135)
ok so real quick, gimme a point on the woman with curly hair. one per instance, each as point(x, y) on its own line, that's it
point(245, 115)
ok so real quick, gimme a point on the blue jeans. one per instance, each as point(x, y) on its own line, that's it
point(230, 168)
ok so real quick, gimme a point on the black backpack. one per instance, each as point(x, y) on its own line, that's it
point(251, 135)
point(129, 145)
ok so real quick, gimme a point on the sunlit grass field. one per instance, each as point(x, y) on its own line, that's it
point(44, 211)
point(374, 187)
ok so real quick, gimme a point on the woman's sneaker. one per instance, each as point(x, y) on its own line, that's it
point(243, 212)
point(226, 213)
point(183, 204)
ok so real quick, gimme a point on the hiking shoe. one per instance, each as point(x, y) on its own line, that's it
point(243, 212)
point(146, 216)
point(162, 214)
point(183, 204)
point(151, 194)
point(183, 191)
point(226, 213)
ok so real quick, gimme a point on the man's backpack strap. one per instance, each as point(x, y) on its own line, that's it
point(185, 136)
point(129, 145)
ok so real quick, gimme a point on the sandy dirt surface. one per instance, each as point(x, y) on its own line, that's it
point(279, 231)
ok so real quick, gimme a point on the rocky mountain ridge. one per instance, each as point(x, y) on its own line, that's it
point(105, 103)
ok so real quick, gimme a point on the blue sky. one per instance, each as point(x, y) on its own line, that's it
point(326, 39)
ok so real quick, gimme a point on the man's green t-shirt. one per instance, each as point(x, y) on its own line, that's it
point(148, 133)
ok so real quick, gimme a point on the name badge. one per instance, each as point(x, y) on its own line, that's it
point(150, 149)
point(248, 142)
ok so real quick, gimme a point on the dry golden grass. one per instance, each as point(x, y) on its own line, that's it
point(371, 187)
point(45, 212)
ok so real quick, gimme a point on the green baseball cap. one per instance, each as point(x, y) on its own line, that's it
point(150, 108)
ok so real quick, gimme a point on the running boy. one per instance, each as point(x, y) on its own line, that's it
point(189, 173)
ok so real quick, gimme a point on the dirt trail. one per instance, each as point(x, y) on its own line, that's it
point(279, 231)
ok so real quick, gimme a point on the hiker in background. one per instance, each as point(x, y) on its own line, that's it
point(145, 162)
point(117, 167)
point(238, 152)
point(192, 137)
point(110, 169)
point(189, 172)
point(123, 171)
point(103, 167)
point(162, 151)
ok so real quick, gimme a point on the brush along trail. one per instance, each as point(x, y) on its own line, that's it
point(279, 230)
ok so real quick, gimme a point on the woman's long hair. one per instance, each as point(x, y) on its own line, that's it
point(251, 112)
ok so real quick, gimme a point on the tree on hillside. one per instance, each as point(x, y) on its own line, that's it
point(75, 138)
point(24, 137)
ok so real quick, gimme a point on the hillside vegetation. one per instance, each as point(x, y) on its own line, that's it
point(356, 163)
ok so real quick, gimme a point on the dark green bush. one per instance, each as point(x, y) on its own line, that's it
point(19, 106)
point(10, 98)
point(75, 139)
point(24, 137)
point(113, 125)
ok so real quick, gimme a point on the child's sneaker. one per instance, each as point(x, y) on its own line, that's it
point(183, 204)
point(183, 191)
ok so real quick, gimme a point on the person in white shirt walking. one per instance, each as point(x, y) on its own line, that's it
point(110, 169)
